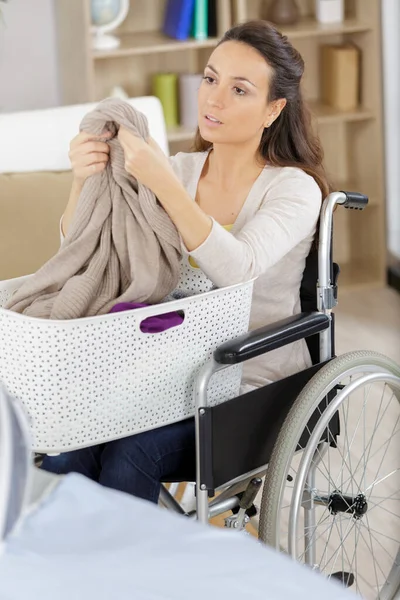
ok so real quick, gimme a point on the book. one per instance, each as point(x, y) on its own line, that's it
point(200, 20)
point(178, 18)
point(224, 16)
point(212, 18)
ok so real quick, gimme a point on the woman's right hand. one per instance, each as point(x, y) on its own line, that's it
point(88, 155)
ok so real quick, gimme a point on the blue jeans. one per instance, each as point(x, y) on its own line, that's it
point(135, 464)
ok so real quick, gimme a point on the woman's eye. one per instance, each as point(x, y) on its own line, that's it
point(239, 91)
point(208, 79)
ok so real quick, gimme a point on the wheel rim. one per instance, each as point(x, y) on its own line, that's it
point(345, 510)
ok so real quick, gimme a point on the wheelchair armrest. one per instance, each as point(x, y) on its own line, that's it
point(278, 334)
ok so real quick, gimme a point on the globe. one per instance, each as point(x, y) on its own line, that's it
point(104, 11)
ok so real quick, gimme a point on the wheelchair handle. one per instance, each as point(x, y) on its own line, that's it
point(354, 200)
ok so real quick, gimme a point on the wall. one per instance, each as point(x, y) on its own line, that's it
point(28, 71)
point(391, 71)
point(28, 79)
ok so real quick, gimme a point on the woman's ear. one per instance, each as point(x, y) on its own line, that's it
point(277, 107)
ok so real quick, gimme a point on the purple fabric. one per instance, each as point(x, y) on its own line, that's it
point(154, 324)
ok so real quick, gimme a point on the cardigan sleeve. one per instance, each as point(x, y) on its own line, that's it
point(288, 214)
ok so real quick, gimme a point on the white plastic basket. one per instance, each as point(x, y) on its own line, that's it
point(91, 380)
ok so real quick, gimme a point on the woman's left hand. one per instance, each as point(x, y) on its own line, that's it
point(145, 160)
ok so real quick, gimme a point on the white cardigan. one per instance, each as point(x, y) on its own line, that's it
point(270, 240)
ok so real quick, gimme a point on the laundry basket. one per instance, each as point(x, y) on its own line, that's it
point(90, 380)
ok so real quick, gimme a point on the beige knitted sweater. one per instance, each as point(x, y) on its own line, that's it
point(121, 245)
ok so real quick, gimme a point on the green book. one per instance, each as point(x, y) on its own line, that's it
point(200, 20)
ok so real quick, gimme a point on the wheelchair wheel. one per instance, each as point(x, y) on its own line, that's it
point(334, 502)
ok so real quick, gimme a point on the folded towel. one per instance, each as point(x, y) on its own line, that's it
point(121, 244)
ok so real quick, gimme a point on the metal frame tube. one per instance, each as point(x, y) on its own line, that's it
point(324, 286)
point(309, 511)
point(200, 400)
point(218, 507)
point(169, 501)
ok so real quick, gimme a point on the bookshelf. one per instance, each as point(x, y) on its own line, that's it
point(352, 140)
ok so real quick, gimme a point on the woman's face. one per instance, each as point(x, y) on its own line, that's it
point(232, 99)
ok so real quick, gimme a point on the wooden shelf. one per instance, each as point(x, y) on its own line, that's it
point(144, 43)
point(324, 115)
point(151, 42)
point(308, 27)
point(180, 134)
point(327, 114)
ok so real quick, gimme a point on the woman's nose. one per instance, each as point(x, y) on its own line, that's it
point(216, 97)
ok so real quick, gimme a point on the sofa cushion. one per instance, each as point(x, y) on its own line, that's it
point(31, 205)
point(38, 140)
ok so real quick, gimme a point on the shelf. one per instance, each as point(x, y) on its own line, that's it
point(324, 115)
point(180, 134)
point(327, 114)
point(307, 28)
point(151, 42)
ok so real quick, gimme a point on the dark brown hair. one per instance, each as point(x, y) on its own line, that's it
point(289, 141)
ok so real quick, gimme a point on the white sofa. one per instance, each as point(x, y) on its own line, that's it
point(35, 178)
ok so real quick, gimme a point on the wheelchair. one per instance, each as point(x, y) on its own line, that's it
point(323, 438)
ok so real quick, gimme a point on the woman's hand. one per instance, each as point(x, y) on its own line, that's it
point(148, 164)
point(146, 161)
point(88, 155)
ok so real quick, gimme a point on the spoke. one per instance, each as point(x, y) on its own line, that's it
point(383, 535)
point(383, 498)
point(352, 439)
point(378, 542)
point(327, 475)
point(374, 454)
point(381, 479)
point(374, 560)
point(359, 574)
point(355, 556)
point(341, 536)
point(320, 522)
point(369, 446)
point(344, 539)
point(341, 545)
point(366, 461)
point(315, 540)
point(327, 543)
point(350, 563)
point(387, 448)
point(345, 418)
point(385, 509)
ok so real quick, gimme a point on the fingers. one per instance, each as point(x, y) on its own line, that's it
point(93, 158)
point(95, 147)
point(129, 139)
point(84, 137)
point(96, 167)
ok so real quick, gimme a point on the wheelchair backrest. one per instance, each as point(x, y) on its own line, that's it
point(308, 299)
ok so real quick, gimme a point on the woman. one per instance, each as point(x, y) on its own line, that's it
point(246, 204)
